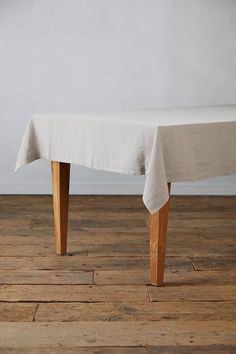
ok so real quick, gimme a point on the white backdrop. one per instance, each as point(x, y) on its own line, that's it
point(108, 55)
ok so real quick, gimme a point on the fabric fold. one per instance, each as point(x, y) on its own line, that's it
point(171, 145)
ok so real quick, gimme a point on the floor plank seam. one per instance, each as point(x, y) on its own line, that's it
point(36, 309)
point(149, 294)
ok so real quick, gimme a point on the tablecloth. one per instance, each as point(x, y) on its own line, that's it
point(166, 145)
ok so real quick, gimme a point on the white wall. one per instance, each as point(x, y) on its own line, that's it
point(81, 55)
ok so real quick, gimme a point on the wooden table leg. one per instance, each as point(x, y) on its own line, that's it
point(158, 224)
point(60, 186)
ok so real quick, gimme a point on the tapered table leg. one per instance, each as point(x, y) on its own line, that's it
point(60, 186)
point(158, 224)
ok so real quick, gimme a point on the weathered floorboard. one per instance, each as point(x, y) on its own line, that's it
point(175, 277)
point(32, 276)
point(80, 262)
point(88, 293)
point(75, 350)
point(73, 334)
point(136, 311)
point(193, 293)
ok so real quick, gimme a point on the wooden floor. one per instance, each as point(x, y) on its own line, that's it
point(97, 299)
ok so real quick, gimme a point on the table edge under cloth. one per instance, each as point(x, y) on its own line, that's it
point(168, 145)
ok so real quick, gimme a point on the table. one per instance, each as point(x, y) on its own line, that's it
point(166, 145)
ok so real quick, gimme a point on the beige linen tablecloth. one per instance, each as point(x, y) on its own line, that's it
point(167, 145)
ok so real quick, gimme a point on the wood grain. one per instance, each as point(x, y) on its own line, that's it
point(105, 333)
point(32, 276)
point(180, 277)
point(15, 312)
point(158, 224)
point(70, 293)
point(194, 292)
point(196, 349)
point(214, 263)
point(60, 186)
point(80, 262)
point(76, 350)
point(136, 311)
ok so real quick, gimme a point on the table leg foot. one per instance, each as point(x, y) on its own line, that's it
point(60, 186)
point(158, 224)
